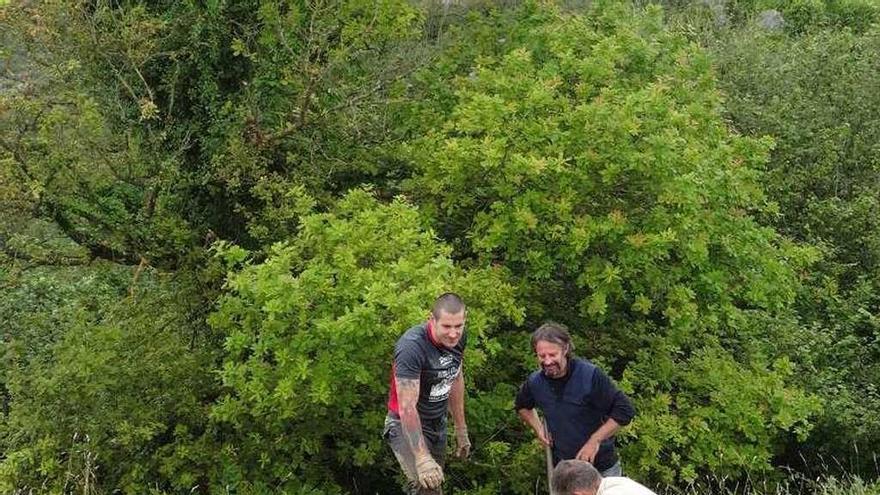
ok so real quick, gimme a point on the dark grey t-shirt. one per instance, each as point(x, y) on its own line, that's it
point(416, 355)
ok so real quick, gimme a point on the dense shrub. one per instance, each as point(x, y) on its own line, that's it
point(346, 161)
point(309, 339)
point(114, 398)
point(590, 158)
point(816, 95)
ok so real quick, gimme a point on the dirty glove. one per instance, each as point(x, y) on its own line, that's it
point(430, 474)
point(462, 442)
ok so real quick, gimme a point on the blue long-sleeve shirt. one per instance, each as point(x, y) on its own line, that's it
point(575, 406)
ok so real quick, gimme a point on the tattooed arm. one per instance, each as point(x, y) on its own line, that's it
point(429, 472)
point(408, 397)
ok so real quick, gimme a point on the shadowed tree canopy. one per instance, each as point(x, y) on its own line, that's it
point(216, 218)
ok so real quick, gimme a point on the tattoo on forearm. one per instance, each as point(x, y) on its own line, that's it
point(414, 437)
point(408, 396)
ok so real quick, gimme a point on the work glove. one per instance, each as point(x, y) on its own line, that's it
point(429, 472)
point(462, 442)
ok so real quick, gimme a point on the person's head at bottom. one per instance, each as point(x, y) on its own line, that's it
point(574, 477)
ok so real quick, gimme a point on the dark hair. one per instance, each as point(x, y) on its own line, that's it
point(449, 303)
point(555, 333)
point(573, 474)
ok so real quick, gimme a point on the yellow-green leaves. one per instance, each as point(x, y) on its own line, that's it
point(310, 330)
point(590, 158)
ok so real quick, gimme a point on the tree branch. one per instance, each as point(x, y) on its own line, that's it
point(96, 249)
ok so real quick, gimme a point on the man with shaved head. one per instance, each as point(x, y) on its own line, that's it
point(427, 382)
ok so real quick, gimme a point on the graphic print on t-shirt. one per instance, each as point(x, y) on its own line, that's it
point(440, 390)
point(416, 355)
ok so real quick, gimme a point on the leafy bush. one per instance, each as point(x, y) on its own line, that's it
point(310, 333)
point(114, 399)
point(816, 95)
point(576, 164)
point(186, 120)
point(590, 158)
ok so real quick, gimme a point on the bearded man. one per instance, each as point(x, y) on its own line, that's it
point(583, 407)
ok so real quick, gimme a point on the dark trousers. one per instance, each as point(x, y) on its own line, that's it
point(434, 432)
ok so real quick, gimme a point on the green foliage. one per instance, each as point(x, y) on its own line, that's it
point(183, 121)
point(850, 486)
point(807, 15)
point(594, 153)
point(106, 392)
point(822, 110)
point(111, 185)
point(816, 94)
point(818, 481)
point(591, 160)
point(305, 101)
point(713, 19)
point(577, 163)
point(720, 416)
point(309, 333)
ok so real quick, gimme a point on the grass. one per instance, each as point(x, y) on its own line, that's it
point(793, 484)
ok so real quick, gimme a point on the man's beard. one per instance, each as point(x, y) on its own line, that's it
point(552, 370)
